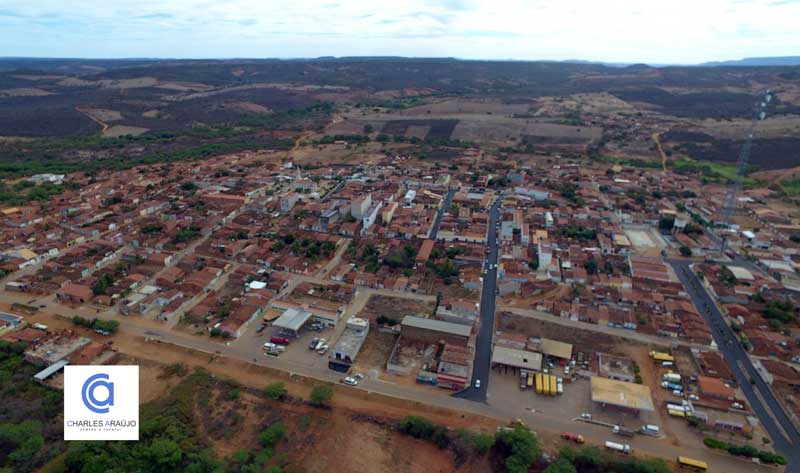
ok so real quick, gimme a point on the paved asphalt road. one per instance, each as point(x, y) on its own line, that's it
point(448, 199)
point(736, 357)
point(483, 344)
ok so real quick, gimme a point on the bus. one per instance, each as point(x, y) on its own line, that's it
point(690, 464)
point(661, 357)
point(539, 387)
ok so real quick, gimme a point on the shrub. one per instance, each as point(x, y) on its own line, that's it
point(273, 434)
point(422, 428)
point(275, 391)
point(520, 447)
point(321, 394)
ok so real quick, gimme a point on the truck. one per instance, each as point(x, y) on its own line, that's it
point(577, 438)
point(560, 388)
point(671, 377)
point(539, 383)
point(552, 385)
point(523, 380)
point(530, 380)
point(671, 386)
point(625, 449)
point(619, 430)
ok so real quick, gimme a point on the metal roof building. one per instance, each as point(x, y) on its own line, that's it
point(513, 357)
point(621, 394)
point(292, 319)
point(436, 325)
point(50, 370)
point(556, 348)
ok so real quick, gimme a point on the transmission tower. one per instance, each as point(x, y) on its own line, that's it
point(729, 202)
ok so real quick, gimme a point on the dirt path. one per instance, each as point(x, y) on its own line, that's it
point(103, 125)
point(657, 140)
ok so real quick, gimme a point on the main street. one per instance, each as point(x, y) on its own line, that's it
point(448, 200)
point(755, 389)
point(481, 366)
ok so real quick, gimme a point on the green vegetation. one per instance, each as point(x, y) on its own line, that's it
point(422, 428)
point(102, 283)
point(369, 258)
point(791, 186)
point(29, 417)
point(579, 233)
point(275, 391)
point(186, 234)
point(321, 394)
point(712, 170)
point(726, 277)
point(480, 442)
point(519, 446)
point(401, 258)
point(446, 269)
point(783, 311)
point(745, 451)
point(25, 191)
point(110, 326)
point(666, 222)
point(685, 250)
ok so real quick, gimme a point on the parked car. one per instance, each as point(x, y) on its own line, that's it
point(359, 376)
point(280, 340)
point(586, 415)
point(477, 383)
point(260, 328)
point(322, 350)
point(737, 405)
point(350, 381)
point(313, 344)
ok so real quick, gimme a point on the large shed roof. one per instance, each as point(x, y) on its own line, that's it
point(622, 394)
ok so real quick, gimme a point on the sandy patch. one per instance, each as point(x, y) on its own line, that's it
point(122, 130)
point(24, 92)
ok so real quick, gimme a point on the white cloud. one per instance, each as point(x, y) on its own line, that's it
point(613, 30)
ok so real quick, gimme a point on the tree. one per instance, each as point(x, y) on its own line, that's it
point(273, 434)
point(321, 394)
point(520, 447)
point(275, 391)
point(685, 250)
point(164, 454)
point(666, 222)
point(591, 266)
point(561, 465)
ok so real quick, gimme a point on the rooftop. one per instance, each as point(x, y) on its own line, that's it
point(517, 358)
point(292, 319)
point(622, 394)
point(436, 325)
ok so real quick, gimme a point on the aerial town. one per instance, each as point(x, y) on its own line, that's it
point(599, 302)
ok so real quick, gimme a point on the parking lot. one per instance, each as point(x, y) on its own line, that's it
point(298, 348)
point(577, 398)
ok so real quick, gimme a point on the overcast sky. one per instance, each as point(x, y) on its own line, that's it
point(672, 31)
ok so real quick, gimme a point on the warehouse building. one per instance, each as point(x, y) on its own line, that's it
point(506, 357)
point(434, 331)
point(349, 344)
point(621, 396)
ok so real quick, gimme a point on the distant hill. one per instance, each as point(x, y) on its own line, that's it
point(758, 61)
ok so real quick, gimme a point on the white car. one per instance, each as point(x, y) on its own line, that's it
point(586, 415)
point(350, 381)
point(477, 383)
point(737, 405)
point(694, 397)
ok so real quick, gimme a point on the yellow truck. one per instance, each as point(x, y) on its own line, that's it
point(539, 387)
point(552, 385)
point(530, 379)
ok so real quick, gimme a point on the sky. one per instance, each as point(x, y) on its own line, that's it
point(655, 32)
